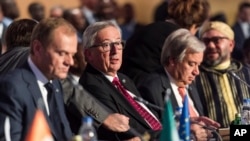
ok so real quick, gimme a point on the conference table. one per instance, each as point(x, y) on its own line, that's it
point(225, 134)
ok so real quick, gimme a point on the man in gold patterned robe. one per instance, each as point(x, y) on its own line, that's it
point(221, 92)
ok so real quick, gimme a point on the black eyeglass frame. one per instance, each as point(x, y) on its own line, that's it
point(107, 45)
point(215, 40)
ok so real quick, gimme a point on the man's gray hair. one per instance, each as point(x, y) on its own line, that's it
point(178, 43)
point(89, 35)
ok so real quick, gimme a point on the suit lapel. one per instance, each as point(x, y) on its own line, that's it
point(122, 102)
point(167, 87)
point(32, 85)
point(195, 98)
point(35, 91)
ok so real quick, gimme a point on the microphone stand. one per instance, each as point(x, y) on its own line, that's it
point(139, 99)
point(237, 77)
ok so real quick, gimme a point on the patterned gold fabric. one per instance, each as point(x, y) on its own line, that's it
point(221, 93)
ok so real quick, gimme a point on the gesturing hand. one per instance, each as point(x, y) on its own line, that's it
point(117, 122)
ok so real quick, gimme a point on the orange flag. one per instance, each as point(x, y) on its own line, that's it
point(39, 130)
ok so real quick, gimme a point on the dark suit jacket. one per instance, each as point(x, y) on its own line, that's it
point(154, 87)
point(143, 50)
point(101, 88)
point(19, 94)
point(80, 103)
point(13, 58)
point(239, 41)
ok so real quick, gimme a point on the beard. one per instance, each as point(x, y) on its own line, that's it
point(213, 63)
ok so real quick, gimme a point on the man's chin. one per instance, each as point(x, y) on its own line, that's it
point(189, 81)
point(62, 76)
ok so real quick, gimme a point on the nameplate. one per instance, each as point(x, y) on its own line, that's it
point(241, 132)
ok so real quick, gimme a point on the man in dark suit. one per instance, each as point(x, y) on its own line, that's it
point(103, 47)
point(181, 55)
point(241, 29)
point(80, 103)
point(53, 44)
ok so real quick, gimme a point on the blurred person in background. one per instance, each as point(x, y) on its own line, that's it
point(36, 11)
point(56, 11)
point(18, 36)
point(246, 53)
point(4, 23)
point(10, 9)
point(143, 49)
point(89, 9)
point(241, 29)
point(161, 11)
point(129, 24)
point(107, 10)
point(77, 19)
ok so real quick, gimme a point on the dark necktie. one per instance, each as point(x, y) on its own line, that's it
point(182, 92)
point(54, 113)
point(154, 124)
point(50, 97)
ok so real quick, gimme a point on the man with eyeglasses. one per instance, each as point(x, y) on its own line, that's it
point(103, 48)
point(220, 91)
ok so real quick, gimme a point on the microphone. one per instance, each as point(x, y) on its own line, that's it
point(237, 77)
point(139, 99)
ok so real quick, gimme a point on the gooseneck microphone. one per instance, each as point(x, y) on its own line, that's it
point(237, 77)
point(139, 99)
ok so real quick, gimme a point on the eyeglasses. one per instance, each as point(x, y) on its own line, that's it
point(107, 46)
point(216, 40)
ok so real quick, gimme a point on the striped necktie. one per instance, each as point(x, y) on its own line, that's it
point(154, 123)
point(182, 92)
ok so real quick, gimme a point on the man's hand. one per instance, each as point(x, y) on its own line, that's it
point(207, 121)
point(200, 133)
point(117, 122)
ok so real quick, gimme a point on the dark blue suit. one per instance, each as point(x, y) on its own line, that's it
point(154, 87)
point(19, 94)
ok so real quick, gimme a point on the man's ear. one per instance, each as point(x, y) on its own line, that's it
point(36, 46)
point(87, 54)
point(172, 61)
point(231, 45)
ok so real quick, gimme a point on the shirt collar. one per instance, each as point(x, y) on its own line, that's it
point(39, 75)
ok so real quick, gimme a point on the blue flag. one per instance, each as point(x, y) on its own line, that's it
point(169, 131)
point(184, 128)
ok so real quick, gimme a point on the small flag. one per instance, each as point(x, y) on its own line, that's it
point(39, 129)
point(184, 128)
point(169, 131)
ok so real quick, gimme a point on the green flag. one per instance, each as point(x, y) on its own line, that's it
point(169, 131)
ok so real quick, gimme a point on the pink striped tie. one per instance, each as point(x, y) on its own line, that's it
point(182, 91)
point(154, 124)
